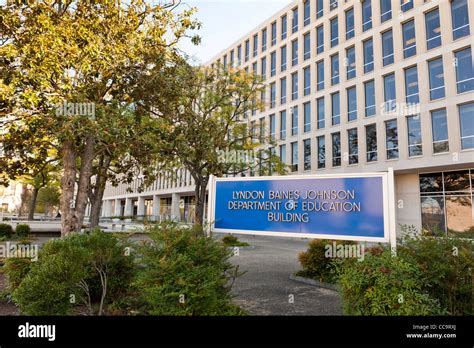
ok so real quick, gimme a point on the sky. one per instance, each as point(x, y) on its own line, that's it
point(225, 21)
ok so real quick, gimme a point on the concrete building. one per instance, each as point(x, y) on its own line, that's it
point(358, 86)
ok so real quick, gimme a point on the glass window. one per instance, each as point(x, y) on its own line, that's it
point(294, 52)
point(351, 104)
point(283, 90)
point(320, 113)
point(385, 10)
point(263, 68)
point(272, 95)
point(320, 75)
point(283, 58)
point(247, 50)
point(307, 46)
point(225, 61)
point(307, 12)
point(294, 86)
point(272, 127)
point(460, 18)
point(273, 61)
point(284, 25)
point(436, 75)
point(335, 109)
point(307, 117)
point(264, 39)
point(319, 8)
point(391, 137)
point(414, 136)
point(232, 58)
point(335, 69)
point(321, 152)
point(334, 32)
point(294, 20)
point(239, 55)
point(466, 121)
point(439, 126)
point(307, 154)
point(368, 55)
point(283, 153)
point(406, 5)
point(307, 80)
point(320, 39)
point(387, 47)
point(390, 96)
point(274, 33)
point(353, 146)
point(432, 216)
point(369, 89)
point(433, 29)
point(255, 45)
point(411, 85)
point(336, 149)
point(294, 120)
point(464, 70)
point(409, 40)
point(371, 142)
point(366, 15)
point(351, 63)
point(294, 157)
point(350, 32)
point(283, 125)
point(333, 4)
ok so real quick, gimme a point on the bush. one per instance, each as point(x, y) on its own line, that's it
point(230, 240)
point(385, 285)
point(23, 230)
point(88, 268)
point(184, 273)
point(16, 269)
point(6, 230)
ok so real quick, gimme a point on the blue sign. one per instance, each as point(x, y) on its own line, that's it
point(351, 207)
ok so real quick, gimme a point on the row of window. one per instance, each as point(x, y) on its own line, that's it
point(439, 131)
point(459, 18)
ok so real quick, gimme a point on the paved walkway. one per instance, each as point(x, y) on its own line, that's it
point(266, 288)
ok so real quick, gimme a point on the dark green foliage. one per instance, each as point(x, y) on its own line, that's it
point(232, 241)
point(16, 269)
point(23, 230)
point(6, 230)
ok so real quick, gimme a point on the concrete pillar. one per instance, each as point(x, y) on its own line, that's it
point(117, 207)
point(128, 207)
point(175, 206)
point(156, 206)
point(109, 208)
point(141, 206)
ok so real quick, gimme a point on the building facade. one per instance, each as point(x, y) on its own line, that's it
point(358, 86)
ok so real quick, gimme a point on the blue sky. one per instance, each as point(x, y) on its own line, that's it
point(225, 21)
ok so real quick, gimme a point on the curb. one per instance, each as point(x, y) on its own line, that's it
point(313, 282)
point(249, 247)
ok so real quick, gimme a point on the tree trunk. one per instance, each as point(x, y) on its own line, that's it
point(34, 196)
point(200, 192)
point(97, 192)
point(68, 183)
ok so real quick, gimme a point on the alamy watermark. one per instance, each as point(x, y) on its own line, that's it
point(237, 156)
point(76, 109)
point(28, 251)
point(344, 251)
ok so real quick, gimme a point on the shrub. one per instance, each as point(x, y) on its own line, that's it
point(230, 240)
point(88, 268)
point(184, 273)
point(6, 230)
point(16, 269)
point(23, 230)
point(385, 285)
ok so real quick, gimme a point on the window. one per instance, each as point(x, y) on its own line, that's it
point(466, 121)
point(274, 33)
point(294, 52)
point(306, 12)
point(319, 8)
point(294, 157)
point(391, 139)
point(283, 125)
point(351, 104)
point(264, 39)
point(335, 69)
point(247, 50)
point(350, 32)
point(263, 68)
point(253, 129)
point(283, 58)
point(387, 47)
point(255, 45)
point(283, 91)
point(284, 26)
point(366, 15)
point(439, 127)
point(262, 130)
point(353, 146)
point(414, 136)
point(272, 127)
point(307, 80)
point(371, 142)
point(294, 86)
point(336, 149)
point(272, 95)
point(460, 18)
point(307, 117)
point(409, 40)
point(368, 46)
point(225, 61)
point(411, 85)
point(321, 152)
point(320, 75)
point(294, 120)
point(335, 109)
point(390, 96)
point(406, 5)
point(320, 112)
point(433, 29)
point(273, 62)
point(262, 98)
point(232, 58)
point(334, 32)
point(351, 64)
point(239, 55)
point(333, 4)
point(464, 70)
point(369, 91)
point(307, 46)
point(294, 20)
point(436, 75)
point(283, 153)
point(385, 10)
point(307, 154)
point(320, 39)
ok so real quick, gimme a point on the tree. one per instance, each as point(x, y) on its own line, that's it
point(206, 127)
point(63, 56)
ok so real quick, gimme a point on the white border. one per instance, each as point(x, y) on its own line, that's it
point(388, 192)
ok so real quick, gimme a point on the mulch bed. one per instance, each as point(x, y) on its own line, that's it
point(6, 308)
